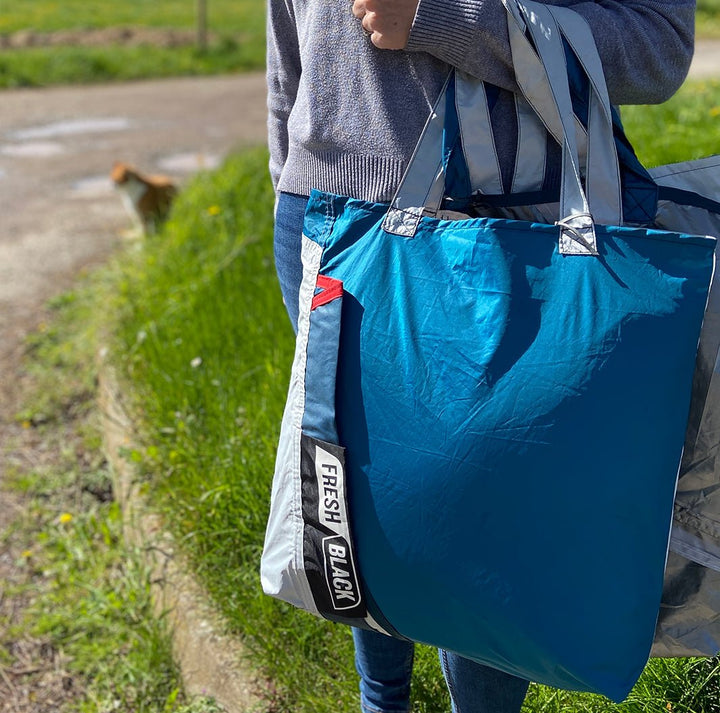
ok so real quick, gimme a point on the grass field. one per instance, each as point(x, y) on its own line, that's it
point(232, 16)
point(78, 631)
point(208, 349)
point(236, 31)
point(708, 18)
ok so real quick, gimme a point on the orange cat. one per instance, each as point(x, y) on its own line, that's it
point(147, 198)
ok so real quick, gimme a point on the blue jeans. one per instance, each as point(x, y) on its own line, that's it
point(385, 664)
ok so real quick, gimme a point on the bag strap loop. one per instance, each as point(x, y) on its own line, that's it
point(541, 74)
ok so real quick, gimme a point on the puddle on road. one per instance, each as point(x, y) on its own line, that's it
point(32, 149)
point(71, 127)
point(189, 162)
point(92, 187)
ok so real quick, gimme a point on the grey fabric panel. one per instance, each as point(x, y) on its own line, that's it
point(689, 618)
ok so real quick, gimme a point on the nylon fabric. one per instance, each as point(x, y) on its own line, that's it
point(480, 367)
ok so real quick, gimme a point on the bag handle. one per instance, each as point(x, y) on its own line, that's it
point(603, 203)
point(538, 73)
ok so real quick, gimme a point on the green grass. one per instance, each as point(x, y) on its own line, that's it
point(42, 66)
point(686, 127)
point(48, 15)
point(707, 20)
point(207, 348)
point(237, 31)
point(84, 594)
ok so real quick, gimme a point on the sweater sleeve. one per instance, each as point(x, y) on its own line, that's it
point(283, 78)
point(645, 45)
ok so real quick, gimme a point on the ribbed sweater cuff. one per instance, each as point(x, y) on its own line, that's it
point(369, 178)
point(446, 28)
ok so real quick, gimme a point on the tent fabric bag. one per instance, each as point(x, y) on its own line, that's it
point(689, 617)
point(486, 416)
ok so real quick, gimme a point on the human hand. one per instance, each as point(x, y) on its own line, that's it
point(388, 22)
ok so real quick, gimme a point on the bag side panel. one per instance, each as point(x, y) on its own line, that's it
point(281, 567)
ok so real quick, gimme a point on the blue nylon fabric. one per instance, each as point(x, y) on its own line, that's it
point(514, 421)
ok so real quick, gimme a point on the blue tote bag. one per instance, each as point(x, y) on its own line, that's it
point(486, 415)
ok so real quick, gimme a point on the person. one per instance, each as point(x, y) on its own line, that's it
point(350, 86)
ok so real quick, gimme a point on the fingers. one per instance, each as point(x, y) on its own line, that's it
point(358, 9)
point(387, 22)
point(369, 21)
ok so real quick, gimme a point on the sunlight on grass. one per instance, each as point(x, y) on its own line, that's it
point(684, 128)
point(46, 15)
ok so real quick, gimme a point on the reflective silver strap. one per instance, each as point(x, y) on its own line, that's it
point(603, 172)
point(542, 78)
point(546, 23)
point(478, 143)
point(529, 172)
point(423, 183)
point(577, 232)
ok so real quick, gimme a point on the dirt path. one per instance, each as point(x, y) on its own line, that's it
point(60, 213)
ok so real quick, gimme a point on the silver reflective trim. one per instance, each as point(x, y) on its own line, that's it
point(423, 183)
point(546, 35)
point(602, 158)
point(577, 235)
point(602, 169)
point(282, 571)
point(402, 222)
point(477, 135)
point(531, 76)
point(529, 171)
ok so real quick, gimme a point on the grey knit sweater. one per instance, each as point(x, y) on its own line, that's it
point(344, 116)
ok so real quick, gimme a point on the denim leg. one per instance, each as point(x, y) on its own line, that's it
point(475, 688)
point(385, 668)
point(289, 219)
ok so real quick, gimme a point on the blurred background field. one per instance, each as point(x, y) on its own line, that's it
point(708, 19)
point(46, 15)
point(44, 42)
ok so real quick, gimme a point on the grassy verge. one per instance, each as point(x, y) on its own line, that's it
point(207, 346)
point(77, 628)
point(686, 127)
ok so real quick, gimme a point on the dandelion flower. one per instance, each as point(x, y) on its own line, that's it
point(65, 518)
point(213, 210)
